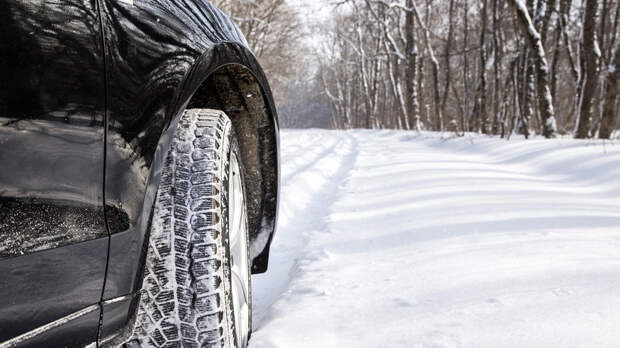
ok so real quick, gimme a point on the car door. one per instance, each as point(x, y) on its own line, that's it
point(53, 237)
point(148, 49)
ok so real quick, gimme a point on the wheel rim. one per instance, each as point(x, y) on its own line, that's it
point(239, 263)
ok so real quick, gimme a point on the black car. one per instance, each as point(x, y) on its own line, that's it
point(138, 174)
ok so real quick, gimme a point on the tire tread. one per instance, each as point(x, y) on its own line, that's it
point(183, 297)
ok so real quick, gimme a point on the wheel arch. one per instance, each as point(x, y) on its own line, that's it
point(229, 78)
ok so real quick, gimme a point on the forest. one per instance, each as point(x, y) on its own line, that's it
point(534, 68)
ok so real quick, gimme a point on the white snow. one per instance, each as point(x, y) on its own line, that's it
point(490, 61)
point(395, 239)
point(597, 49)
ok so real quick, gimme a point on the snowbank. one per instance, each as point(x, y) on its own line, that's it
point(394, 239)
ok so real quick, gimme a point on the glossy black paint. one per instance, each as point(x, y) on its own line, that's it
point(80, 332)
point(53, 240)
point(116, 320)
point(45, 288)
point(158, 53)
point(90, 93)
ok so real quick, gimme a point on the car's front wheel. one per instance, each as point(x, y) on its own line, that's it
point(196, 288)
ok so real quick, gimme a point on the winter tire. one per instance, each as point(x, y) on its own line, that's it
point(196, 287)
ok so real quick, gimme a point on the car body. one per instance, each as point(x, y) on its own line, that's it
point(90, 93)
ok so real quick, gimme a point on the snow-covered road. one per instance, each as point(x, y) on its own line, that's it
point(393, 239)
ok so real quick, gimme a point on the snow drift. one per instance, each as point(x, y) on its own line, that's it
point(398, 239)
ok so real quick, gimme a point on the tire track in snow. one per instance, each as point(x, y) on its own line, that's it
point(310, 163)
point(315, 180)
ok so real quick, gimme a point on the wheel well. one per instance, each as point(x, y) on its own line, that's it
point(234, 90)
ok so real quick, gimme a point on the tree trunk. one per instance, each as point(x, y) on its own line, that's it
point(611, 97)
point(591, 56)
point(465, 124)
point(545, 20)
point(556, 57)
point(434, 62)
point(448, 67)
point(482, 92)
point(497, 67)
point(411, 83)
point(530, 78)
point(545, 101)
point(527, 91)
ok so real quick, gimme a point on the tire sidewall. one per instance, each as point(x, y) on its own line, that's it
point(232, 149)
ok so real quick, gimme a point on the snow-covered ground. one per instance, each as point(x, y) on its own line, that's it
point(394, 239)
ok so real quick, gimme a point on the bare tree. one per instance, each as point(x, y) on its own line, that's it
point(434, 62)
point(392, 64)
point(413, 104)
point(611, 98)
point(545, 101)
point(591, 56)
point(481, 102)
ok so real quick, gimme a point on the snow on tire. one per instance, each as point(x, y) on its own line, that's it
point(186, 298)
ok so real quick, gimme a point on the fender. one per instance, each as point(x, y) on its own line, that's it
point(234, 58)
point(161, 58)
point(228, 58)
point(231, 68)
